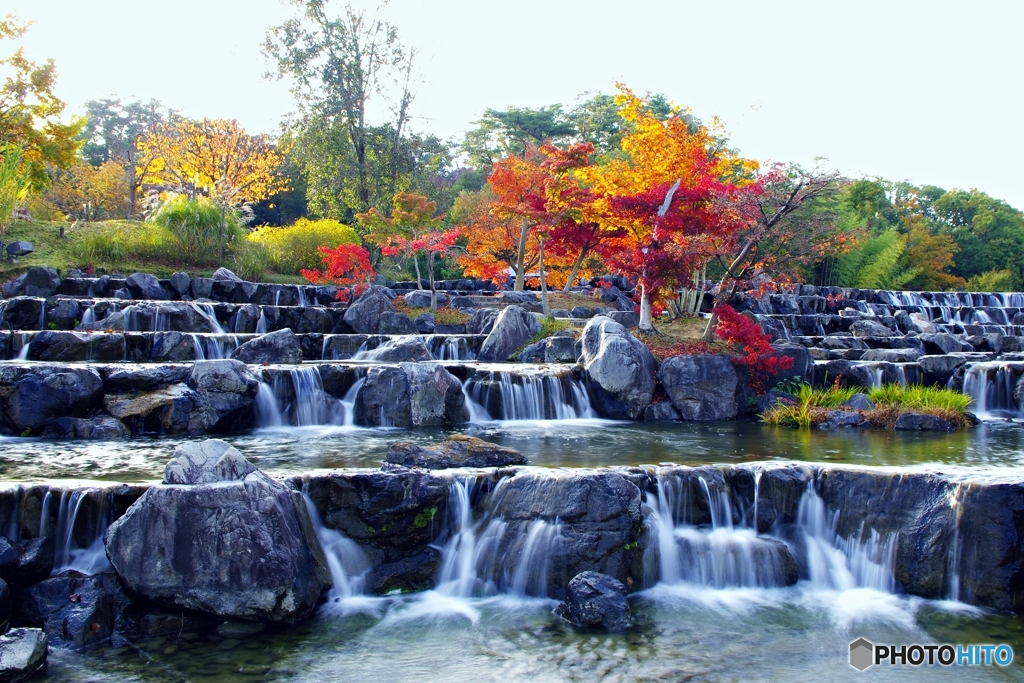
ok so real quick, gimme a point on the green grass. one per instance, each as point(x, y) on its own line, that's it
point(120, 247)
point(890, 401)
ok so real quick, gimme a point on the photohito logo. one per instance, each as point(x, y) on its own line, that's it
point(864, 653)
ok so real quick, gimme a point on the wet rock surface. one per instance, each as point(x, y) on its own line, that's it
point(22, 652)
point(224, 539)
point(700, 387)
point(458, 450)
point(596, 601)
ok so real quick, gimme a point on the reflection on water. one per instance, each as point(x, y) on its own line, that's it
point(571, 443)
point(795, 634)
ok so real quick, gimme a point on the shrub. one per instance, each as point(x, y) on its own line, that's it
point(761, 358)
point(252, 261)
point(197, 225)
point(295, 248)
point(127, 240)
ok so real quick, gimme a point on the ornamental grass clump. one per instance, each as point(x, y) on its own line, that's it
point(892, 400)
point(811, 408)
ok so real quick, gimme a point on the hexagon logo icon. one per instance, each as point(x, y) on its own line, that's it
point(862, 654)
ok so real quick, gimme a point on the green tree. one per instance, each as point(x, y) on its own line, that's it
point(988, 232)
point(499, 134)
point(30, 113)
point(336, 64)
point(14, 186)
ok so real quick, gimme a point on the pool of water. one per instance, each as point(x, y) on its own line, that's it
point(561, 443)
point(681, 633)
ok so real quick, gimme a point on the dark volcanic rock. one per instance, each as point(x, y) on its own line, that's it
point(841, 418)
point(922, 422)
point(75, 610)
point(226, 540)
point(281, 346)
point(44, 393)
point(858, 402)
point(457, 450)
point(38, 281)
point(661, 412)
point(363, 316)
point(34, 561)
point(67, 347)
point(482, 321)
point(98, 428)
point(700, 387)
point(392, 322)
point(145, 286)
point(411, 395)
point(594, 600)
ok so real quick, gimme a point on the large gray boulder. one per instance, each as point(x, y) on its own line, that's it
point(22, 652)
point(144, 286)
point(892, 355)
point(482, 321)
point(399, 350)
point(224, 539)
point(32, 397)
point(512, 328)
point(393, 322)
point(410, 395)
point(363, 315)
point(419, 298)
point(700, 387)
point(458, 450)
point(222, 274)
point(871, 328)
point(281, 346)
point(597, 601)
point(619, 369)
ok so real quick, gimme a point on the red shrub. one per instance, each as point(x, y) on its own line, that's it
point(761, 359)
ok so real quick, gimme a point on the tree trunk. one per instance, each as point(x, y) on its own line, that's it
point(433, 289)
point(575, 270)
point(546, 307)
point(416, 262)
point(646, 314)
point(521, 258)
point(726, 289)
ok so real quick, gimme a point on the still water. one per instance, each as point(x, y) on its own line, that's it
point(552, 443)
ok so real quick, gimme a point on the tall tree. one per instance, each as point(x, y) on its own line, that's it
point(217, 156)
point(514, 132)
point(112, 132)
point(30, 112)
point(336, 65)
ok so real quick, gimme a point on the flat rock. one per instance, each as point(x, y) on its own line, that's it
point(922, 422)
point(458, 450)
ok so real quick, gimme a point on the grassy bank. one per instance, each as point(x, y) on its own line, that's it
point(118, 247)
point(891, 401)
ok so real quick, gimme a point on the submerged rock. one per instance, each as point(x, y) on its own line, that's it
point(594, 600)
point(841, 418)
point(22, 652)
point(923, 422)
point(223, 538)
point(458, 450)
point(619, 369)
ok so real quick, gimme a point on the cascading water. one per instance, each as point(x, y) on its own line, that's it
point(448, 348)
point(91, 559)
point(529, 395)
point(347, 562)
point(726, 556)
point(476, 558)
point(308, 404)
point(992, 387)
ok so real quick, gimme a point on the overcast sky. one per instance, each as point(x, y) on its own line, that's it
point(923, 91)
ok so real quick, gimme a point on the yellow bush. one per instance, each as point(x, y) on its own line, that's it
point(294, 247)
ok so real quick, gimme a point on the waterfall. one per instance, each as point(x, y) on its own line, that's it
point(206, 311)
point(725, 556)
point(484, 557)
point(25, 343)
point(448, 348)
point(89, 316)
point(347, 562)
point(91, 559)
point(953, 561)
point(991, 387)
point(268, 414)
point(534, 396)
point(261, 324)
point(208, 347)
point(307, 403)
point(843, 563)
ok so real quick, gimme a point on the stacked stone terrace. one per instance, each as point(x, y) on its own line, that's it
point(969, 341)
point(101, 357)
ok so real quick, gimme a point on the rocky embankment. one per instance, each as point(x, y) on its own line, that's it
point(218, 539)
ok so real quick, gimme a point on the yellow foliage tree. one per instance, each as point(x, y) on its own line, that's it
point(90, 192)
point(213, 155)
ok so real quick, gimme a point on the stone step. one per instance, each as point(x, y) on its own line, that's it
point(163, 347)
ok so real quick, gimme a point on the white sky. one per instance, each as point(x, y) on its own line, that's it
point(923, 91)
